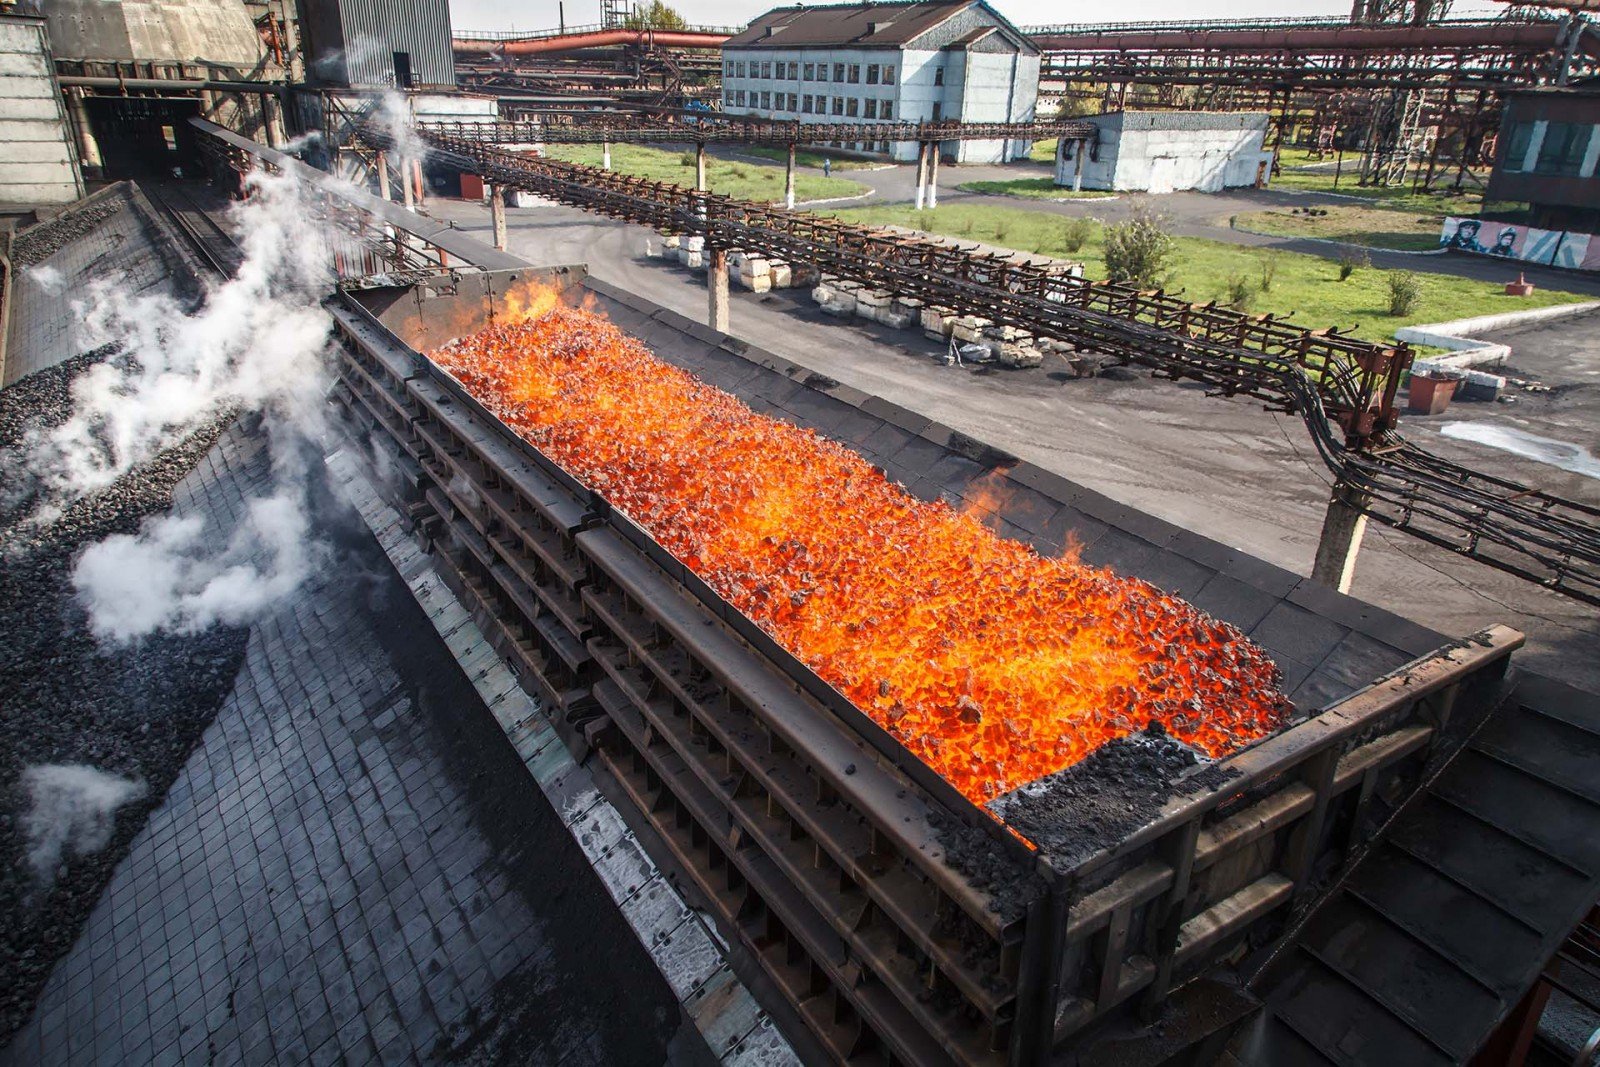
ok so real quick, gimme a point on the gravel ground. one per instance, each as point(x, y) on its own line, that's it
point(136, 711)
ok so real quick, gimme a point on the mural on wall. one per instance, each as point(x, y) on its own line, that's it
point(1551, 248)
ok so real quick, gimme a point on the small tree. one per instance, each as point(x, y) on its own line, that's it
point(1405, 289)
point(1240, 292)
point(1075, 233)
point(654, 16)
point(1269, 270)
point(1137, 249)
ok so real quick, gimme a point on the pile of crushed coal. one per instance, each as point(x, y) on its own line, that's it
point(1118, 788)
point(135, 712)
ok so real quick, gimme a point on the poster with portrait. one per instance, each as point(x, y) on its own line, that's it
point(1528, 244)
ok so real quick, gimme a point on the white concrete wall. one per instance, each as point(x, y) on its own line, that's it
point(38, 161)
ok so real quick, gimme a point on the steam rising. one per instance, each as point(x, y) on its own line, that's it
point(256, 345)
point(72, 808)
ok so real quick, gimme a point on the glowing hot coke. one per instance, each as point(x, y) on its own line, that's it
point(993, 664)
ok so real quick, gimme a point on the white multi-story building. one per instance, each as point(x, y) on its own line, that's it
point(955, 60)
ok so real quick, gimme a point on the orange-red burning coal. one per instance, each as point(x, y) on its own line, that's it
point(993, 664)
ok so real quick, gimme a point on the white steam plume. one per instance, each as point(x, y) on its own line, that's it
point(393, 113)
point(71, 809)
point(258, 344)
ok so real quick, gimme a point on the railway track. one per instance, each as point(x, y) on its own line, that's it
point(192, 219)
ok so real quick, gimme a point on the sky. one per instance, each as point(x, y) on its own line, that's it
point(542, 14)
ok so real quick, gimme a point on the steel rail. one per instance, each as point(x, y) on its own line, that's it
point(1345, 390)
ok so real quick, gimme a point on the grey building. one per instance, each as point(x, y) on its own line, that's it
point(1166, 151)
point(955, 60)
point(39, 164)
point(375, 43)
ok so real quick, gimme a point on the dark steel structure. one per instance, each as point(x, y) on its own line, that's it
point(1545, 160)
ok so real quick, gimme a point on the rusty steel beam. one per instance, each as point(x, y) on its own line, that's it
point(600, 127)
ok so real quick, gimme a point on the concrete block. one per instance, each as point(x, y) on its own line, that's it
point(673, 241)
point(694, 260)
point(969, 329)
point(1008, 354)
point(755, 267)
point(695, 244)
point(899, 319)
point(871, 304)
point(824, 292)
point(782, 276)
point(937, 322)
point(762, 284)
point(1008, 334)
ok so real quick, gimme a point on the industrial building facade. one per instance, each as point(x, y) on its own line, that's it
point(1168, 151)
point(916, 62)
point(373, 44)
point(1549, 157)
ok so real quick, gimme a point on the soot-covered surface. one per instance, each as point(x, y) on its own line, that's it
point(351, 866)
point(134, 711)
point(1103, 798)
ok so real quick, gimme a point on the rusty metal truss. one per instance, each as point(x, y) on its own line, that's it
point(1344, 389)
point(599, 127)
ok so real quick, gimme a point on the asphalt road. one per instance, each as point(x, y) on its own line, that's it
point(1223, 468)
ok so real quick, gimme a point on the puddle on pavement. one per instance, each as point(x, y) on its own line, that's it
point(1568, 457)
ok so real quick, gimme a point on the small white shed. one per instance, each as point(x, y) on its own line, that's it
point(1168, 151)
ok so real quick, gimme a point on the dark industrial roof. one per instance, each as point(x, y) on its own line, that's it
point(850, 25)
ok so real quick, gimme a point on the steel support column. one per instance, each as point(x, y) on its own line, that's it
point(788, 181)
point(605, 155)
point(383, 176)
point(1342, 530)
point(700, 166)
point(933, 175)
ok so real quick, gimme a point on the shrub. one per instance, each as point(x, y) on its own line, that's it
point(1075, 233)
point(1137, 249)
point(1001, 228)
point(1239, 292)
point(925, 221)
point(966, 226)
point(687, 159)
point(1269, 271)
point(1405, 289)
point(1352, 260)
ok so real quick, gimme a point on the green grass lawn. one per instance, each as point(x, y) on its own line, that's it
point(1043, 151)
point(1375, 227)
point(808, 159)
point(1307, 288)
point(1032, 189)
point(746, 181)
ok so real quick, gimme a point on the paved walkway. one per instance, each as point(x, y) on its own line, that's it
point(352, 867)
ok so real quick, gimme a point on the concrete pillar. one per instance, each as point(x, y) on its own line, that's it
point(383, 177)
point(416, 170)
point(1342, 529)
point(497, 212)
point(788, 182)
point(717, 289)
point(605, 155)
point(933, 175)
point(700, 167)
point(1077, 166)
point(922, 173)
point(407, 190)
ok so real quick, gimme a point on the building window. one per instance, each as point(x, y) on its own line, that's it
point(852, 107)
point(766, 100)
point(938, 75)
point(888, 74)
point(872, 109)
point(838, 72)
point(740, 72)
point(886, 112)
point(855, 73)
point(1563, 149)
point(811, 72)
point(872, 74)
point(838, 105)
point(794, 102)
point(938, 111)
point(794, 70)
point(805, 104)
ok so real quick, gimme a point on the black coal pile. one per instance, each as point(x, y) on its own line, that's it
point(137, 711)
point(1101, 799)
point(51, 235)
